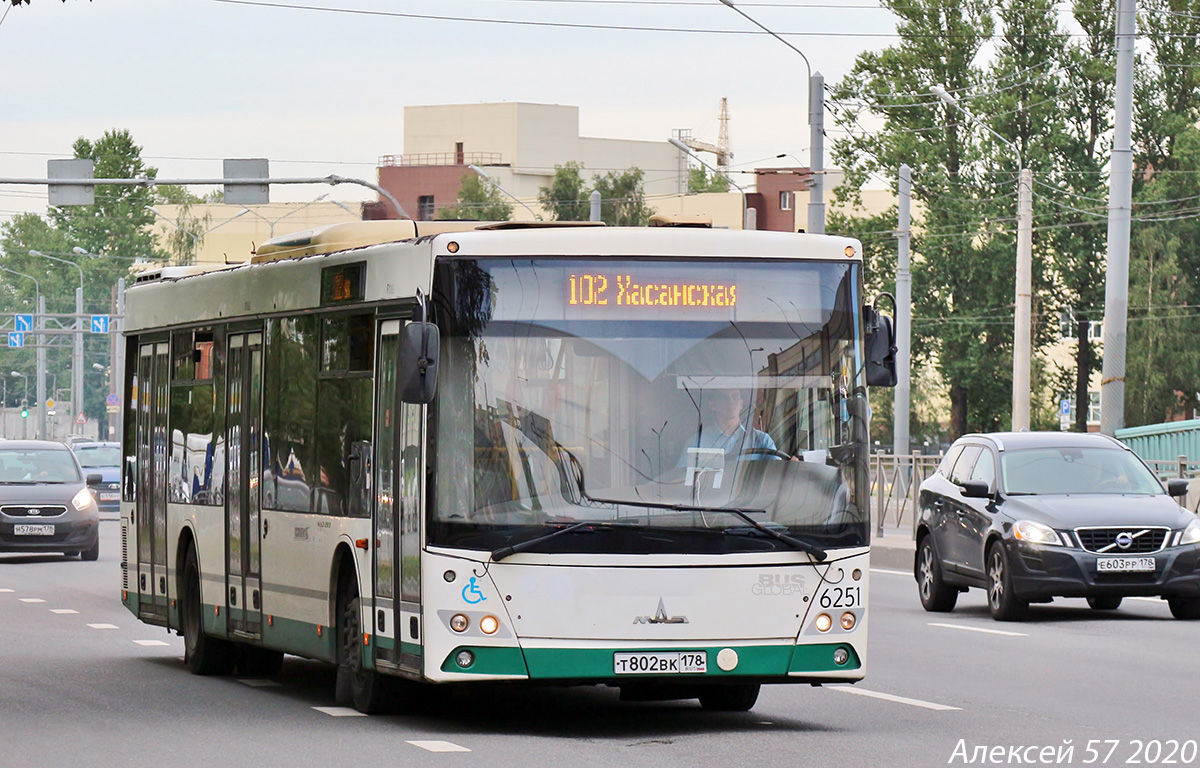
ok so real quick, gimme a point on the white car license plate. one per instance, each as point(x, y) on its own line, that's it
point(1124, 564)
point(109, 496)
point(665, 663)
point(33, 530)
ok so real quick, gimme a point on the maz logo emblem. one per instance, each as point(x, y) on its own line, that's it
point(660, 617)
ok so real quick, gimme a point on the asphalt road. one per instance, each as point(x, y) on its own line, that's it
point(84, 684)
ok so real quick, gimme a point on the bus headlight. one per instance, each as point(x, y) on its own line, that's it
point(488, 625)
point(464, 659)
point(848, 621)
point(824, 622)
point(459, 622)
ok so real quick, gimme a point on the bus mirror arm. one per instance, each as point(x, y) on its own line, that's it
point(419, 351)
point(879, 342)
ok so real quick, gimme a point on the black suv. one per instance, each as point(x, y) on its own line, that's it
point(1029, 516)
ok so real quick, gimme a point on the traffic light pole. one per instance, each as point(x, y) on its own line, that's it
point(40, 325)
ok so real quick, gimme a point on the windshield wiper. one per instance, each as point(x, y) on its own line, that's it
point(804, 546)
point(594, 525)
point(818, 553)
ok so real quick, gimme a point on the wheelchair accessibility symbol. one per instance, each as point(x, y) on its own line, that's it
point(472, 594)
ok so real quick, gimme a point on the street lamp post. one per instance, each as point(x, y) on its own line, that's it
point(496, 184)
point(688, 151)
point(816, 131)
point(1022, 320)
point(77, 342)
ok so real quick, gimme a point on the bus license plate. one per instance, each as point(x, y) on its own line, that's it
point(667, 663)
point(33, 530)
point(1124, 564)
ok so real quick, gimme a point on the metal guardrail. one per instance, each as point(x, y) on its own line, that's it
point(895, 481)
point(440, 158)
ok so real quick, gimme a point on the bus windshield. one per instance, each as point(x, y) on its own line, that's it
point(648, 394)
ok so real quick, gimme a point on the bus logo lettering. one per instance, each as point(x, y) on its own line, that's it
point(660, 617)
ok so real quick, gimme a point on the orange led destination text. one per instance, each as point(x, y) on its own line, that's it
point(623, 291)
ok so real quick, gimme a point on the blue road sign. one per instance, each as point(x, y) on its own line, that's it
point(23, 322)
point(112, 399)
point(1064, 408)
point(16, 339)
point(99, 323)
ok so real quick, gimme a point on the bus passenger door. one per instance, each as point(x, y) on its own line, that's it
point(151, 510)
point(243, 475)
point(397, 514)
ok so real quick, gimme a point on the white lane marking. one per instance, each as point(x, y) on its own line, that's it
point(103, 626)
point(150, 643)
point(258, 682)
point(891, 573)
point(62, 611)
point(439, 746)
point(895, 699)
point(31, 599)
point(979, 629)
point(340, 711)
point(6, 590)
point(1158, 600)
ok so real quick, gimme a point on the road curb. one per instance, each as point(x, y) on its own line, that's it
point(897, 556)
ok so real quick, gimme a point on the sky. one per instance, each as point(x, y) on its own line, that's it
point(319, 87)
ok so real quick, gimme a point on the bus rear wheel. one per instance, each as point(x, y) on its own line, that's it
point(356, 685)
point(730, 698)
point(204, 655)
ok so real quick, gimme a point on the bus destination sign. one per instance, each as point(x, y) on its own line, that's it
point(622, 290)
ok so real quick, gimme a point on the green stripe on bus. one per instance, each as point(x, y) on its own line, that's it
point(558, 663)
point(489, 661)
point(819, 658)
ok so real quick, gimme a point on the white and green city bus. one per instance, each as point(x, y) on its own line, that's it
point(496, 454)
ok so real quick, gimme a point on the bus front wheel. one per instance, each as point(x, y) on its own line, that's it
point(356, 685)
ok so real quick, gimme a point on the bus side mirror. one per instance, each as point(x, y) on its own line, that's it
point(418, 362)
point(880, 348)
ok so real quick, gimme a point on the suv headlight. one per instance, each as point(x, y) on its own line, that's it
point(1036, 533)
point(82, 499)
point(1191, 534)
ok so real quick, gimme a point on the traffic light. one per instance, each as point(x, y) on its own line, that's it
point(24, 409)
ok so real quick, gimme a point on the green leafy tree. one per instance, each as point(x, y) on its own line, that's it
point(699, 180)
point(478, 201)
point(566, 199)
point(622, 201)
point(1162, 357)
point(1077, 239)
point(113, 234)
point(959, 257)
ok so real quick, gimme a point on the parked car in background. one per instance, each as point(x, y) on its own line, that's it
point(45, 501)
point(1030, 516)
point(104, 459)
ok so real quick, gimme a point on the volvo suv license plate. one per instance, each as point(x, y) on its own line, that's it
point(33, 530)
point(1124, 564)
point(666, 663)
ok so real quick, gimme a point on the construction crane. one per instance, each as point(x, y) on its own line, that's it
point(721, 148)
